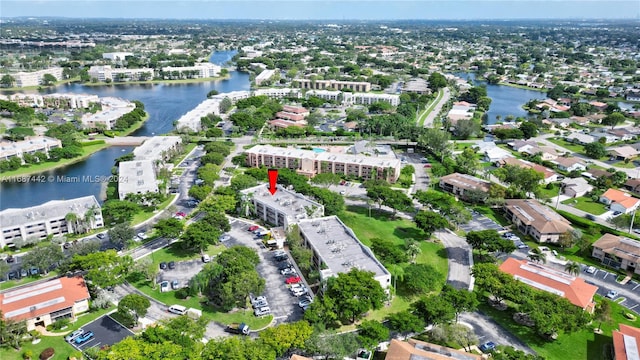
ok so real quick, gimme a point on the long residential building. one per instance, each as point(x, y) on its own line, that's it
point(30, 145)
point(360, 98)
point(537, 220)
point(462, 184)
point(55, 101)
point(332, 84)
point(136, 177)
point(283, 208)
point(107, 73)
point(618, 252)
point(158, 148)
point(192, 120)
point(310, 163)
point(34, 78)
point(626, 342)
point(413, 349)
point(43, 304)
point(278, 93)
point(336, 249)
point(112, 110)
point(50, 218)
point(571, 287)
point(265, 75)
point(198, 71)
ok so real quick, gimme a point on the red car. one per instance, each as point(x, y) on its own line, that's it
point(293, 280)
point(427, 165)
point(180, 214)
point(253, 228)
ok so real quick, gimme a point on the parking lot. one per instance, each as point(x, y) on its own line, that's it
point(480, 222)
point(628, 294)
point(106, 332)
point(284, 306)
point(183, 272)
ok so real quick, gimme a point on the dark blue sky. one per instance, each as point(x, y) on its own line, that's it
point(314, 9)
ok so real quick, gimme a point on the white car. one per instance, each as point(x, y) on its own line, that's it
point(142, 236)
point(225, 237)
point(258, 299)
point(299, 292)
point(74, 335)
point(611, 294)
point(591, 270)
point(164, 286)
point(262, 311)
point(288, 271)
point(305, 302)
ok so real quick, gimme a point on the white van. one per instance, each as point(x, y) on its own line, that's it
point(177, 309)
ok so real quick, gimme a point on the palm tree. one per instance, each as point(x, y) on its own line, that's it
point(413, 249)
point(536, 255)
point(71, 218)
point(602, 312)
point(572, 268)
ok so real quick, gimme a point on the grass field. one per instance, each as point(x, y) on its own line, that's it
point(176, 253)
point(576, 148)
point(145, 215)
point(549, 193)
point(586, 204)
point(622, 164)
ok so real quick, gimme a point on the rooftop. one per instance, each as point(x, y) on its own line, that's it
point(43, 298)
point(136, 176)
point(419, 350)
point(572, 288)
point(338, 247)
point(290, 203)
point(626, 342)
point(153, 148)
point(466, 182)
point(619, 246)
point(50, 210)
point(540, 217)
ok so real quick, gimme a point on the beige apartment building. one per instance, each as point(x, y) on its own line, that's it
point(362, 86)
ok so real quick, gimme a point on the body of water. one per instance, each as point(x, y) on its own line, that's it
point(165, 104)
point(505, 100)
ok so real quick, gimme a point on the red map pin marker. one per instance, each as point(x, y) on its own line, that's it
point(273, 179)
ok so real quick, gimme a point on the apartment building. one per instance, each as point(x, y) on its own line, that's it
point(112, 110)
point(310, 163)
point(330, 95)
point(265, 75)
point(571, 287)
point(116, 56)
point(626, 342)
point(370, 98)
point(158, 148)
point(198, 71)
point(413, 349)
point(45, 303)
point(38, 222)
point(336, 249)
point(191, 120)
point(106, 72)
point(618, 252)
point(30, 145)
point(34, 78)
point(332, 84)
point(136, 177)
point(278, 93)
point(535, 219)
point(55, 101)
point(461, 184)
point(284, 208)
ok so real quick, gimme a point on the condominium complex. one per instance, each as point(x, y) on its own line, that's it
point(462, 184)
point(30, 145)
point(278, 93)
point(43, 304)
point(537, 220)
point(348, 98)
point(158, 148)
point(34, 78)
point(332, 84)
point(50, 218)
point(311, 163)
point(112, 110)
point(136, 177)
point(55, 101)
point(116, 56)
point(265, 75)
point(192, 120)
point(198, 71)
point(284, 208)
point(336, 249)
point(107, 73)
point(618, 252)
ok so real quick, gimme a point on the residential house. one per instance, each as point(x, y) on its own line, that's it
point(626, 342)
point(461, 184)
point(561, 122)
point(496, 154)
point(632, 185)
point(575, 187)
point(600, 106)
point(571, 287)
point(619, 201)
point(580, 138)
point(549, 175)
point(623, 134)
point(413, 349)
point(608, 138)
point(43, 304)
point(633, 95)
point(623, 153)
point(461, 110)
point(547, 153)
point(595, 174)
point(570, 164)
point(535, 219)
point(517, 145)
point(618, 252)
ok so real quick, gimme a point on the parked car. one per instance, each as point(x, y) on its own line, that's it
point(488, 346)
point(253, 228)
point(163, 265)
point(284, 265)
point(10, 259)
point(175, 284)
point(258, 299)
point(171, 265)
point(66, 245)
point(262, 311)
point(34, 271)
point(12, 275)
point(299, 291)
point(293, 280)
point(611, 294)
point(590, 270)
point(142, 236)
point(164, 286)
point(74, 335)
point(84, 338)
point(24, 273)
point(206, 258)
point(260, 304)
point(101, 236)
point(177, 309)
point(305, 302)
point(288, 271)
point(225, 237)
point(180, 215)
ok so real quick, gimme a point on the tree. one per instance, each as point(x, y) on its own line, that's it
point(43, 257)
point(355, 293)
point(169, 228)
point(387, 251)
point(371, 333)
point(595, 150)
point(133, 306)
point(200, 192)
point(436, 141)
point(286, 337)
point(437, 81)
point(467, 162)
point(121, 234)
point(326, 179)
point(119, 211)
point(421, 279)
point(465, 129)
point(12, 332)
point(333, 346)
point(613, 119)
point(572, 268)
point(529, 129)
point(602, 312)
point(460, 300)
point(243, 181)
point(536, 255)
point(48, 79)
point(4, 269)
point(104, 269)
point(7, 80)
point(199, 235)
point(430, 221)
point(523, 180)
point(405, 322)
point(434, 310)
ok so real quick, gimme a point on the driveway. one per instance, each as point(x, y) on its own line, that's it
point(106, 332)
point(480, 222)
point(459, 259)
point(488, 330)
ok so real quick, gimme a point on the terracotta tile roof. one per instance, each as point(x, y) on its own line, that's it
point(572, 288)
point(416, 349)
point(294, 109)
point(43, 298)
point(466, 182)
point(625, 342)
point(298, 357)
point(281, 123)
point(568, 161)
point(621, 197)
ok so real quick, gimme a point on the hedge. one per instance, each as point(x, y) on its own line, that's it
point(586, 223)
point(92, 142)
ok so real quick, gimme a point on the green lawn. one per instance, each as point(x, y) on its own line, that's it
point(587, 204)
point(430, 107)
point(62, 348)
point(576, 148)
point(11, 283)
point(622, 164)
point(583, 344)
point(176, 253)
point(146, 215)
point(549, 193)
point(187, 150)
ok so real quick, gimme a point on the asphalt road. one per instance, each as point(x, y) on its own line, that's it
point(488, 330)
point(459, 259)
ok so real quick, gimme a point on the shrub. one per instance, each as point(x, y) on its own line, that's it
point(92, 142)
point(59, 324)
point(182, 293)
point(27, 354)
point(47, 354)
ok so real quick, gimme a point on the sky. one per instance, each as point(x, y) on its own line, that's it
point(327, 9)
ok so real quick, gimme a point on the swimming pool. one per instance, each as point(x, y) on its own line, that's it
point(318, 150)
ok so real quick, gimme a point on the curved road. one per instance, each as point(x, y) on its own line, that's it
point(488, 330)
point(428, 122)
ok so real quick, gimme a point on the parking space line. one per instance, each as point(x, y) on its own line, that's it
point(635, 287)
point(633, 307)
